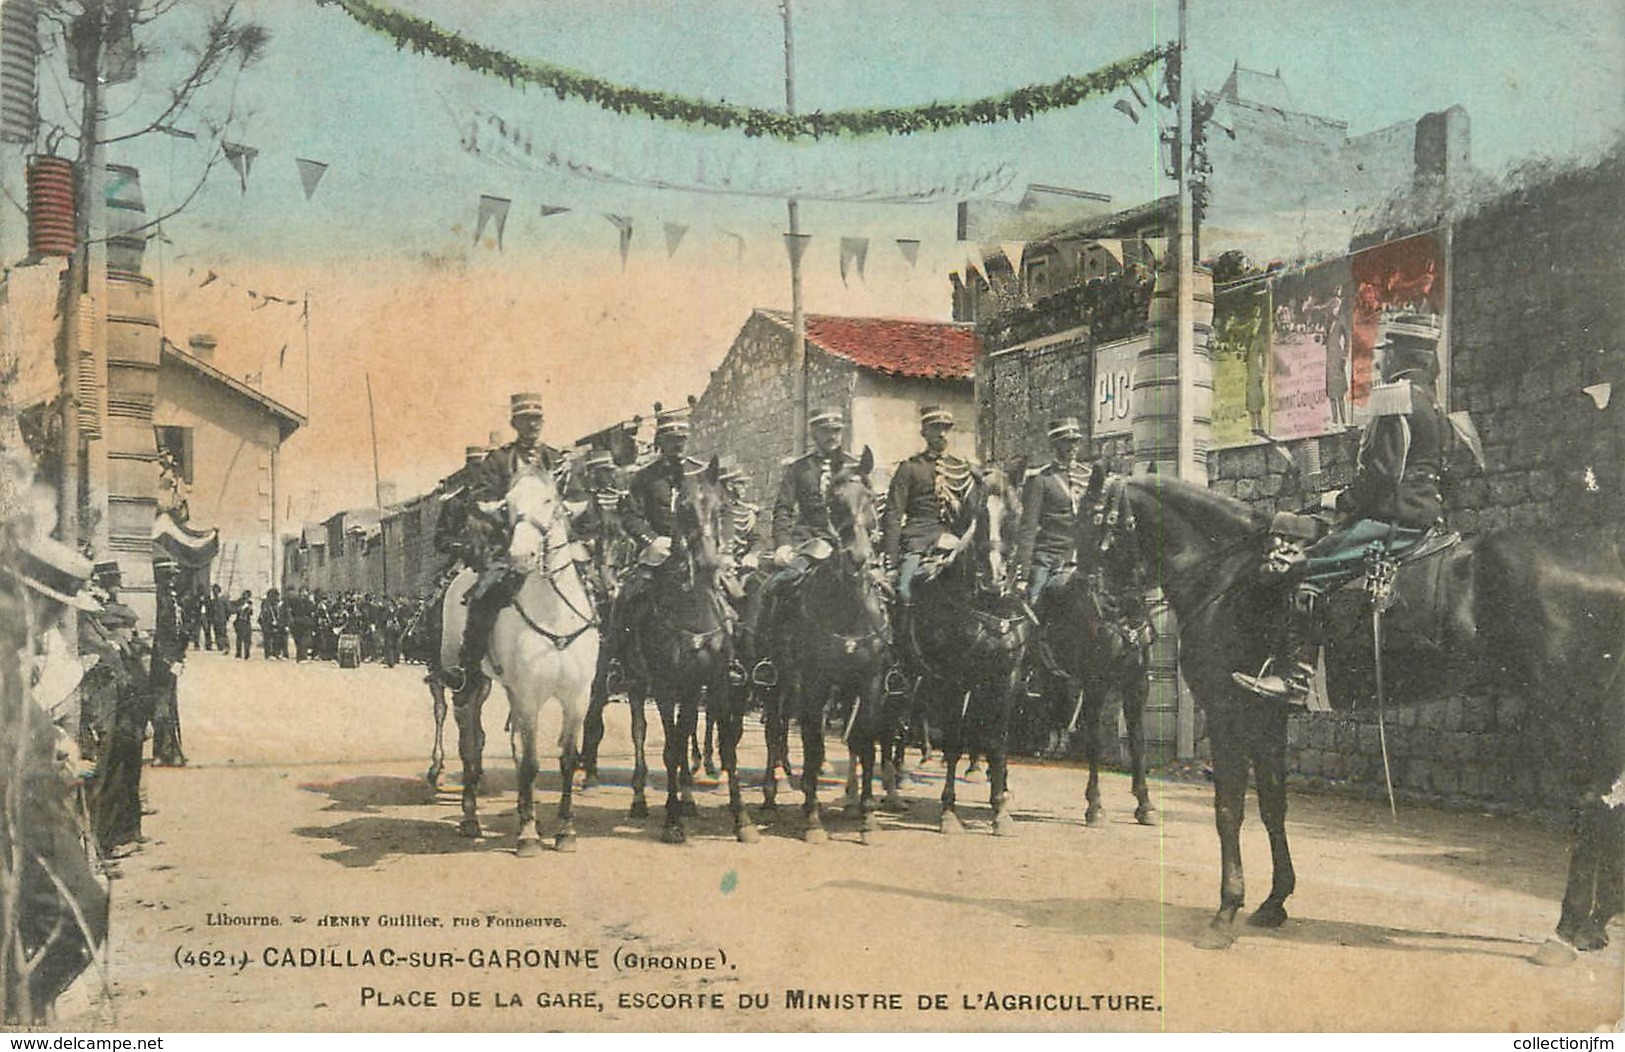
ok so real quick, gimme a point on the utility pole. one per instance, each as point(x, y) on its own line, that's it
point(798, 322)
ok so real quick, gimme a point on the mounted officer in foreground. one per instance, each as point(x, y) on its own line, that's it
point(1050, 498)
point(1394, 501)
point(927, 492)
point(485, 535)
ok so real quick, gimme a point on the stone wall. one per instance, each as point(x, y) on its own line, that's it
point(1536, 315)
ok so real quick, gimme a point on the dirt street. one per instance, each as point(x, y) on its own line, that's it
point(305, 803)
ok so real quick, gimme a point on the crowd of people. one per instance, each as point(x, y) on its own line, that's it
point(304, 624)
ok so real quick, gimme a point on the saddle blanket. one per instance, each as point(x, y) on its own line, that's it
point(454, 616)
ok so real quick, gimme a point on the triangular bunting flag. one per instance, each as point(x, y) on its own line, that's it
point(854, 250)
point(1126, 108)
point(1114, 247)
point(310, 173)
point(796, 245)
point(495, 211)
point(241, 159)
point(624, 225)
point(552, 210)
point(910, 247)
point(674, 237)
point(1012, 251)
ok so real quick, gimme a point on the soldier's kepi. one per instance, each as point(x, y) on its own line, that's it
point(487, 486)
point(1395, 500)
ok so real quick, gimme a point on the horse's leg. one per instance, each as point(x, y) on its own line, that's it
point(866, 731)
point(1230, 761)
point(772, 726)
point(1132, 688)
point(635, 699)
point(711, 737)
point(810, 715)
point(731, 730)
point(674, 752)
point(522, 738)
point(571, 720)
point(892, 746)
point(998, 757)
point(470, 747)
point(1269, 770)
point(437, 752)
point(688, 715)
point(593, 727)
point(1091, 695)
point(952, 743)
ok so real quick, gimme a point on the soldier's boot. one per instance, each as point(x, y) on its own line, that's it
point(1289, 674)
point(485, 602)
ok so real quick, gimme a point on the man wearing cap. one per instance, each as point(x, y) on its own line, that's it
point(168, 654)
point(599, 524)
point(123, 707)
point(485, 549)
point(1049, 508)
point(452, 534)
point(649, 510)
point(925, 494)
point(1394, 501)
point(242, 624)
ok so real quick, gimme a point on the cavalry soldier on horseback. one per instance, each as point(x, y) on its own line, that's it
point(1049, 509)
point(1394, 501)
point(484, 548)
point(800, 516)
point(926, 493)
point(649, 509)
point(451, 529)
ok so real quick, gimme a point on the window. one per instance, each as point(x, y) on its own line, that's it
point(175, 446)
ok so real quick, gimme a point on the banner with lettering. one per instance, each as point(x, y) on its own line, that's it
point(1309, 350)
point(1241, 366)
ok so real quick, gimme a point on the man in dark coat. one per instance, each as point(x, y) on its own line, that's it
point(218, 612)
point(1050, 498)
point(242, 624)
point(926, 493)
point(487, 487)
point(168, 658)
point(114, 796)
point(1395, 499)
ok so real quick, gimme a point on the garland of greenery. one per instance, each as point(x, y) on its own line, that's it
point(423, 36)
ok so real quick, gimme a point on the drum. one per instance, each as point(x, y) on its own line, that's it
point(349, 650)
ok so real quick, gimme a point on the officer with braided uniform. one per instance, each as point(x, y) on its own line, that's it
point(1050, 498)
point(487, 487)
point(926, 493)
point(649, 510)
point(1394, 501)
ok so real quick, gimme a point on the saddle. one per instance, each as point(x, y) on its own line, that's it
point(1415, 598)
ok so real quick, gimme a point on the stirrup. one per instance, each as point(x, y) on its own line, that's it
point(898, 683)
point(454, 678)
point(764, 674)
point(1292, 689)
point(737, 676)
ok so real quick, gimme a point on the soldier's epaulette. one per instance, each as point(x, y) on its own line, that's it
point(1032, 473)
point(785, 462)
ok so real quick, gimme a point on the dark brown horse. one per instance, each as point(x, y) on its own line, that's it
point(679, 648)
point(1541, 612)
point(834, 639)
point(969, 634)
point(1096, 640)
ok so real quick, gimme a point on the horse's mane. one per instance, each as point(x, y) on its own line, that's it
point(1213, 514)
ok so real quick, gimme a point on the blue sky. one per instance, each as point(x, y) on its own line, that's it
point(388, 236)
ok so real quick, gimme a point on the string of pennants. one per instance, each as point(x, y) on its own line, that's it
point(241, 157)
point(967, 257)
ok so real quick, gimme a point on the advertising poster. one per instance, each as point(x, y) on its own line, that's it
point(1241, 366)
point(1310, 374)
point(444, 589)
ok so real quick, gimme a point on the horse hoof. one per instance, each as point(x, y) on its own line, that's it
point(1554, 953)
point(950, 824)
point(674, 835)
point(1269, 915)
point(469, 827)
point(748, 834)
point(1147, 816)
point(769, 805)
point(528, 848)
point(870, 836)
point(1585, 936)
point(1094, 817)
point(816, 835)
point(1216, 937)
point(1004, 825)
point(640, 808)
point(712, 771)
point(565, 842)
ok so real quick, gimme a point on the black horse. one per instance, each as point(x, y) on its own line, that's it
point(968, 638)
point(1096, 638)
point(679, 648)
point(833, 637)
point(1541, 611)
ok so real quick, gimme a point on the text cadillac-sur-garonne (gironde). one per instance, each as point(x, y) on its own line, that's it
point(502, 951)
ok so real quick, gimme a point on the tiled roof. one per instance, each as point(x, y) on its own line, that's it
point(933, 350)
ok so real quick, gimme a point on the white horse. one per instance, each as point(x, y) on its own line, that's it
point(543, 647)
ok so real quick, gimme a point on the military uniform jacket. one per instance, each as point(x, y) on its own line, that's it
point(743, 516)
point(650, 507)
point(491, 479)
point(1397, 479)
point(1049, 508)
point(799, 509)
point(916, 513)
point(168, 644)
